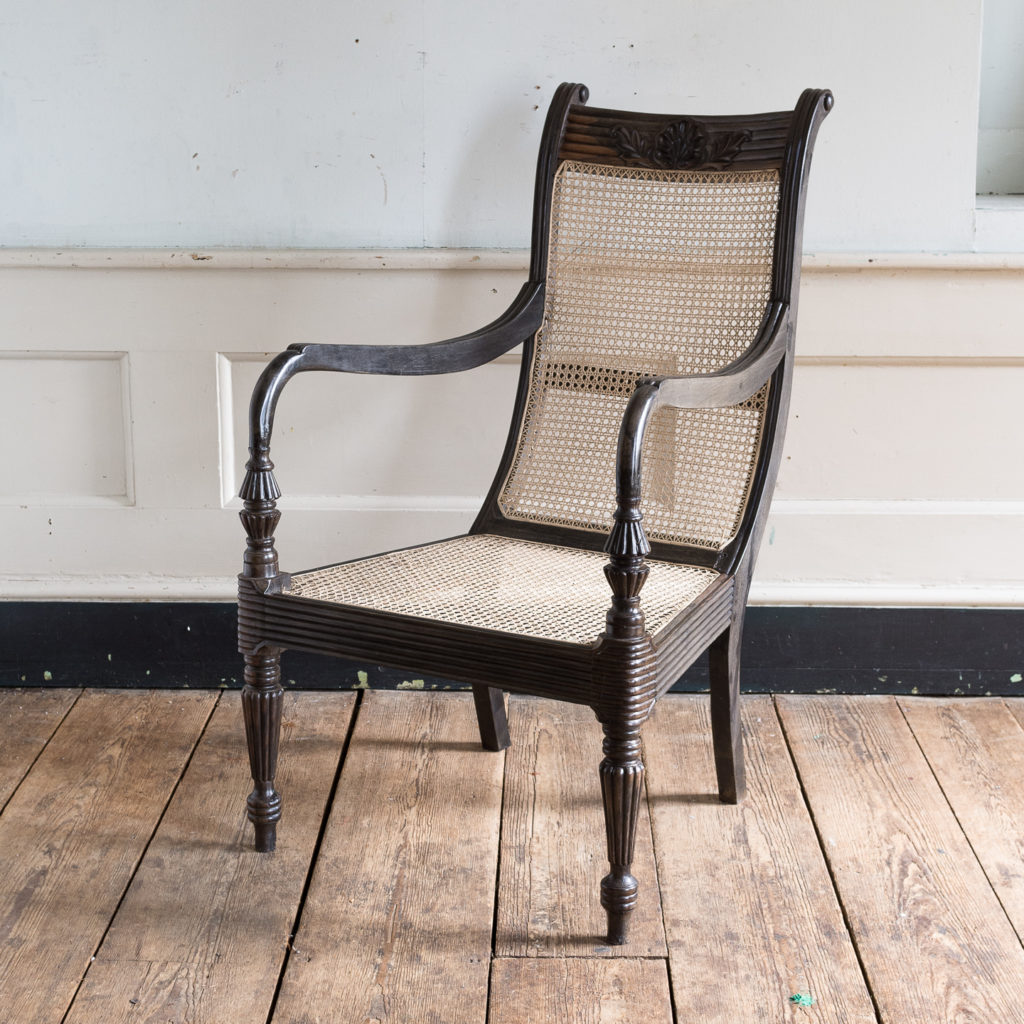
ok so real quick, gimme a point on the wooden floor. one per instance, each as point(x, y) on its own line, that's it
point(875, 871)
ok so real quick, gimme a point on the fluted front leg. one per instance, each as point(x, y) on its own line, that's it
point(622, 777)
point(262, 694)
point(625, 678)
point(262, 697)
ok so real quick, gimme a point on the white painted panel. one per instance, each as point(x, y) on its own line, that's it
point(929, 313)
point(923, 505)
point(204, 309)
point(52, 552)
point(62, 417)
point(809, 556)
point(999, 223)
point(905, 431)
point(340, 437)
point(929, 552)
point(175, 429)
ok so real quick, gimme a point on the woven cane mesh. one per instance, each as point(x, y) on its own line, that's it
point(497, 583)
point(650, 273)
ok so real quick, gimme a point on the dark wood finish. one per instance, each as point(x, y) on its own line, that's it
point(491, 717)
point(519, 321)
point(627, 674)
point(622, 673)
point(568, 96)
point(727, 736)
point(262, 693)
point(729, 386)
point(550, 877)
point(261, 708)
point(621, 138)
point(468, 655)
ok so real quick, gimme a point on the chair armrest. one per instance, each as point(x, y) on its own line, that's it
point(518, 322)
point(729, 386)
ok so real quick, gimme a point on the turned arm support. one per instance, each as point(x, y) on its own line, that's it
point(627, 545)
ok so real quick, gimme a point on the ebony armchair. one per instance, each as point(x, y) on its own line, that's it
point(657, 329)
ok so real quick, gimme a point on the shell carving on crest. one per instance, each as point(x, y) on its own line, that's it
point(680, 145)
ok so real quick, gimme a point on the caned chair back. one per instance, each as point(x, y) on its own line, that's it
point(650, 271)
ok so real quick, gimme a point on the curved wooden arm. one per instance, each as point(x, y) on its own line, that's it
point(729, 386)
point(517, 323)
point(260, 490)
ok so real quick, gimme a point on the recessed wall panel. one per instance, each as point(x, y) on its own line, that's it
point(62, 417)
point(897, 431)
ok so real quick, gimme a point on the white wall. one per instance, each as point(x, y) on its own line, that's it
point(142, 285)
point(261, 123)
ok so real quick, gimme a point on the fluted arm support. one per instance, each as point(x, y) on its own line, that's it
point(627, 545)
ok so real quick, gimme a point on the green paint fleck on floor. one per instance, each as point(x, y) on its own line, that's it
point(802, 999)
point(410, 684)
point(364, 680)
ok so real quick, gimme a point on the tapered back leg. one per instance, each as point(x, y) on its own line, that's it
point(491, 717)
point(727, 736)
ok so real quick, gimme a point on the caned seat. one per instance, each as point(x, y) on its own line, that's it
point(617, 541)
point(500, 584)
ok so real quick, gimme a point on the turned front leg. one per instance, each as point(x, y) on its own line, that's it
point(624, 673)
point(622, 778)
point(262, 694)
point(262, 697)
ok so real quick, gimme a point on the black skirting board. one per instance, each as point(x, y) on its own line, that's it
point(935, 651)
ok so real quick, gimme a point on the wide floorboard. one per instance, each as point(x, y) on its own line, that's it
point(874, 872)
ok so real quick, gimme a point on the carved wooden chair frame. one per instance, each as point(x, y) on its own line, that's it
point(624, 671)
